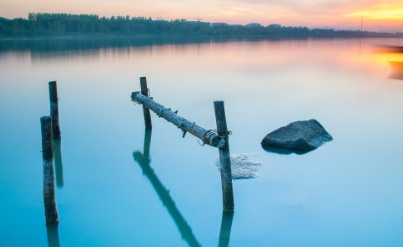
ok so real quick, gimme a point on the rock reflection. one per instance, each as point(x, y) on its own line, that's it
point(58, 163)
point(225, 232)
point(53, 235)
point(144, 161)
point(283, 151)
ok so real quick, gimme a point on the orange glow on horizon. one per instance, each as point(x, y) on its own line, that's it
point(390, 12)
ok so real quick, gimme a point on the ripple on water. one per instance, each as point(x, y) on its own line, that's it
point(242, 166)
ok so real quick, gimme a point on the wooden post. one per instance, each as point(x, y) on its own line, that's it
point(54, 109)
point(146, 111)
point(225, 161)
point(51, 214)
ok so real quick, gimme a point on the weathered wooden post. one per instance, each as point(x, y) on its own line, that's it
point(225, 161)
point(51, 214)
point(54, 109)
point(146, 111)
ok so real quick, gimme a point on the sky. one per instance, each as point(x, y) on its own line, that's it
point(376, 15)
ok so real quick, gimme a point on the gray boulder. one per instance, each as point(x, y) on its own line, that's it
point(298, 137)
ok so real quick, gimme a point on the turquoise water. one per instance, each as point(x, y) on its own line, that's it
point(346, 193)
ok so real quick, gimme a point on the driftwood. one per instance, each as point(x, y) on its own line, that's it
point(207, 136)
point(217, 139)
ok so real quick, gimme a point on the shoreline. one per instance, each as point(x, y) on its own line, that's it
point(184, 36)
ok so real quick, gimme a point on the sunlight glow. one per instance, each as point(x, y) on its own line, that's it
point(395, 13)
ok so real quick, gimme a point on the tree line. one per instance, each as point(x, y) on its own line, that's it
point(59, 24)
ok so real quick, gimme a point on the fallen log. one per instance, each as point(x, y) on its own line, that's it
point(207, 136)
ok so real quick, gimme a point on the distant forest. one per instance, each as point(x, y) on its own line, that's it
point(50, 24)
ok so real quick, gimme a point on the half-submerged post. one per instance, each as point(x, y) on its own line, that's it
point(51, 214)
point(225, 161)
point(54, 109)
point(146, 111)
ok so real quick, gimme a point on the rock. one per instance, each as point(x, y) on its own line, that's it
point(298, 137)
point(242, 167)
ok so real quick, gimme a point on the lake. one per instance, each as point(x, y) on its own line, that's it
point(345, 193)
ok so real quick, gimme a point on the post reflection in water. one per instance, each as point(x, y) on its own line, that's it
point(225, 232)
point(53, 235)
point(144, 161)
point(58, 163)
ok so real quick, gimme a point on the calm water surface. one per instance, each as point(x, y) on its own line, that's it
point(346, 193)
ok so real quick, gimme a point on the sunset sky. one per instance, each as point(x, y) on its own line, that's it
point(377, 15)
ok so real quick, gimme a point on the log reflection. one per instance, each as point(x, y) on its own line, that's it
point(144, 161)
